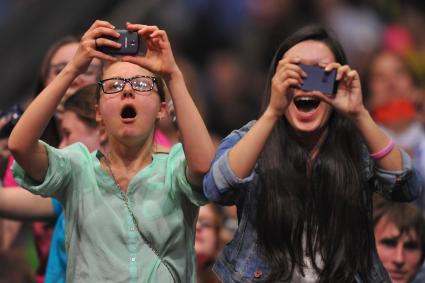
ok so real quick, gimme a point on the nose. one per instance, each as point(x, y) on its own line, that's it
point(399, 256)
point(127, 91)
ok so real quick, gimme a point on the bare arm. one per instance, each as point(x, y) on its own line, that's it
point(243, 156)
point(197, 143)
point(20, 204)
point(349, 101)
point(23, 142)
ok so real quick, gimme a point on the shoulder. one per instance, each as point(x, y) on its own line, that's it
point(236, 135)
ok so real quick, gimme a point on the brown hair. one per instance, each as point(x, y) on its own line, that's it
point(82, 103)
point(51, 133)
point(405, 216)
point(45, 65)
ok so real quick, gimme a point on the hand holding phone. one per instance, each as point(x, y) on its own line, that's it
point(319, 80)
point(129, 41)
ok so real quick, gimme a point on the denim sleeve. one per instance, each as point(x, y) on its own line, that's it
point(404, 185)
point(221, 185)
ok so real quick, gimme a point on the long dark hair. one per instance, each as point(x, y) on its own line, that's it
point(314, 208)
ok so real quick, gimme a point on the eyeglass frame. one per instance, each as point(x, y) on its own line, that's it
point(128, 80)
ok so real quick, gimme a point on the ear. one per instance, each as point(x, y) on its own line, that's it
point(103, 137)
point(162, 112)
point(99, 119)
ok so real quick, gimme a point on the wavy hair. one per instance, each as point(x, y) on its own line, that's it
point(313, 207)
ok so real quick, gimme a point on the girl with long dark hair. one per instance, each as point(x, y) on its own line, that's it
point(302, 176)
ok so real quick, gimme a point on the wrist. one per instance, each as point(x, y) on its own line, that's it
point(272, 114)
point(174, 75)
point(70, 70)
point(360, 116)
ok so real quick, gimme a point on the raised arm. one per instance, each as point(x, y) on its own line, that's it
point(23, 141)
point(243, 156)
point(197, 144)
point(348, 100)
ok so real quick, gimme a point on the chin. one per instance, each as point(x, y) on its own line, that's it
point(308, 129)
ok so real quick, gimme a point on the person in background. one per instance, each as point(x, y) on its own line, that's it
point(400, 238)
point(392, 89)
point(207, 242)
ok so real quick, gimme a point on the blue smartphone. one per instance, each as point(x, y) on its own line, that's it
point(129, 43)
point(319, 80)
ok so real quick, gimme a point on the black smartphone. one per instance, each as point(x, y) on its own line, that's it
point(319, 80)
point(129, 40)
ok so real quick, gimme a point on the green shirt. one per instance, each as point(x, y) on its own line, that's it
point(102, 242)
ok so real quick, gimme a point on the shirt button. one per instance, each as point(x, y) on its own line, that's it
point(133, 259)
point(132, 228)
point(257, 274)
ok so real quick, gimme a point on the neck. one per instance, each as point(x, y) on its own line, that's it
point(131, 157)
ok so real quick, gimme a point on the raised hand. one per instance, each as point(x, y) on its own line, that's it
point(348, 98)
point(288, 75)
point(159, 57)
point(92, 38)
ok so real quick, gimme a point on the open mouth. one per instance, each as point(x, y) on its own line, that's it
point(306, 103)
point(128, 112)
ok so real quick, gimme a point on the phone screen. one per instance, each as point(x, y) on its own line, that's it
point(319, 80)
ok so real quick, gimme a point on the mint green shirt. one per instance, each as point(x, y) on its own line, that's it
point(103, 244)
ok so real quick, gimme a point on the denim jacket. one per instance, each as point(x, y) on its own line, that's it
point(241, 260)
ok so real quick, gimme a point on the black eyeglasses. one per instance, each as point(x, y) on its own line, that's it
point(139, 83)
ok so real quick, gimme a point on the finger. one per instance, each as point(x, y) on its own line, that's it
point(288, 60)
point(342, 72)
point(100, 23)
point(290, 63)
point(100, 41)
point(330, 66)
point(104, 56)
point(291, 83)
point(138, 60)
point(290, 74)
point(102, 32)
point(146, 31)
point(159, 33)
point(352, 76)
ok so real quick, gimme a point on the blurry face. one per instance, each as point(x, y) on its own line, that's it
point(389, 78)
point(129, 115)
point(310, 119)
point(74, 130)
point(61, 57)
point(400, 255)
point(206, 233)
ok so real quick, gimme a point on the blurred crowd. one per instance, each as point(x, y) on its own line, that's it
point(223, 48)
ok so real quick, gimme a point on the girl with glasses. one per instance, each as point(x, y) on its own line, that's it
point(130, 212)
